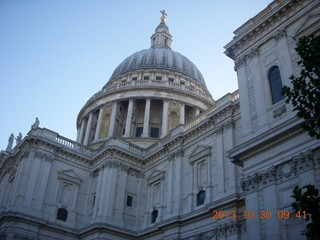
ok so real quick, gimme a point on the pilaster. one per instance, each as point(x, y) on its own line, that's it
point(240, 66)
point(259, 94)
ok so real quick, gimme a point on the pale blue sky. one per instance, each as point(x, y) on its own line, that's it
point(55, 54)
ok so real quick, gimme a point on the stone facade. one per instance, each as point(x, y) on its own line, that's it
point(157, 158)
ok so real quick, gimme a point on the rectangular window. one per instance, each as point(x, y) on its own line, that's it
point(158, 78)
point(154, 132)
point(154, 216)
point(145, 77)
point(171, 79)
point(134, 78)
point(139, 131)
point(129, 201)
point(62, 214)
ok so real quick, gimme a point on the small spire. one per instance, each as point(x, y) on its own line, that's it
point(161, 38)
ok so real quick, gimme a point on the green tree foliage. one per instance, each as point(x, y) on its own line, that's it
point(305, 92)
point(307, 199)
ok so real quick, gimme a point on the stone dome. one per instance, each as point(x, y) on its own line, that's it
point(162, 59)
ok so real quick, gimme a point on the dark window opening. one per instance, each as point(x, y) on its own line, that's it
point(158, 78)
point(62, 214)
point(129, 201)
point(154, 216)
point(146, 77)
point(134, 78)
point(171, 79)
point(275, 84)
point(154, 132)
point(139, 131)
point(94, 200)
point(201, 197)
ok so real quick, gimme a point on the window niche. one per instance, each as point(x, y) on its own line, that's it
point(155, 193)
point(199, 160)
point(67, 192)
point(275, 83)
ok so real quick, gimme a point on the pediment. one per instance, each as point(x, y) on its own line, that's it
point(69, 175)
point(308, 26)
point(199, 152)
point(155, 176)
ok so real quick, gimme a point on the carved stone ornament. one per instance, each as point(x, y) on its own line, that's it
point(44, 155)
point(280, 33)
point(279, 111)
point(241, 61)
point(254, 52)
point(220, 230)
point(279, 173)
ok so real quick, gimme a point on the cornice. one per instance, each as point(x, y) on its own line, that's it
point(264, 20)
point(265, 140)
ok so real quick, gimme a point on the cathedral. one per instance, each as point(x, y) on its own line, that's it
point(156, 157)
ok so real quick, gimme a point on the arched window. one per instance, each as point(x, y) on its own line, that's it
point(275, 84)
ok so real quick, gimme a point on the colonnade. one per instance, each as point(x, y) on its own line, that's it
point(90, 127)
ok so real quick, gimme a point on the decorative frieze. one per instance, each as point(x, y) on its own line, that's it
point(220, 230)
point(279, 173)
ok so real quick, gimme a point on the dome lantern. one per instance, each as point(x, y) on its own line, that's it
point(161, 38)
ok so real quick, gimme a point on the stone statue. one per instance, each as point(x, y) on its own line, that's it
point(10, 142)
point(36, 124)
point(19, 138)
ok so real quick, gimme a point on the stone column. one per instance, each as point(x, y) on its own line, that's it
point(129, 119)
point(88, 128)
point(182, 112)
point(97, 133)
point(113, 119)
point(80, 137)
point(146, 119)
point(164, 129)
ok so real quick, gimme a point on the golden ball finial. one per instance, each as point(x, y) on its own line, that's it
point(163, 17)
